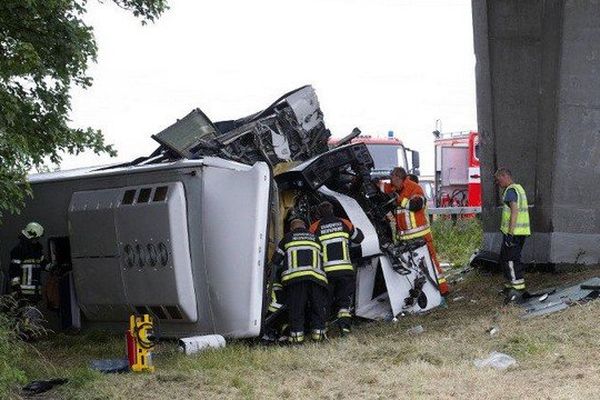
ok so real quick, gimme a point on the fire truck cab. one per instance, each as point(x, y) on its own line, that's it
point(387, 152)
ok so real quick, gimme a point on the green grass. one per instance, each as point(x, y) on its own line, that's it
point(455, 241)
point(557, 358)
point(11, 349)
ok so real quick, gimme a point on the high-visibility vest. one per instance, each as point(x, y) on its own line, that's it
point(522, 227)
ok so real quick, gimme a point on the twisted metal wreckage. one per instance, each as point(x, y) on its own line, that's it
point(185, 234)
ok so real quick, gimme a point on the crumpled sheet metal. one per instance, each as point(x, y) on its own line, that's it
point(559, 300)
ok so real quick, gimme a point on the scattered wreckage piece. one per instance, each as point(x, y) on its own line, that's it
point(455, 275)
point(486, 260)
point(554, 300)
point(111, 365)
point(196, 344)
point(42, 386)
point(496, 360)
point(415, 330)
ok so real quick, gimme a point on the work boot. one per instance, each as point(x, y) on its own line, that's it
point(269, 338)
point(514, 296)
point(345, 328)
point(296, 338)
point(345, 331)
point(505, 290)
point(318, 335)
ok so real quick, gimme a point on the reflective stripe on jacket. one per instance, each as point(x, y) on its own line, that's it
point(335, 235)
point(298, 257)
point(26, 266)
point(410, 224)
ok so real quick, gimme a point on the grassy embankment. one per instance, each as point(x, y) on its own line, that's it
point(557, 355)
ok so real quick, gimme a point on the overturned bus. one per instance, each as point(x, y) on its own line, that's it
point(186, 233)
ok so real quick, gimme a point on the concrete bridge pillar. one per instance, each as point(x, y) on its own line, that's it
point(538, 110)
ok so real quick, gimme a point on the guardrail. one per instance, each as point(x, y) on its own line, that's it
point(453, 210)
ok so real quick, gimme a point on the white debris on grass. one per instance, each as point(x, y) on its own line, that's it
point(496, 360)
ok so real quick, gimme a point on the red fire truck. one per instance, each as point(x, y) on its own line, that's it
point(457, 173)
point(387, 152)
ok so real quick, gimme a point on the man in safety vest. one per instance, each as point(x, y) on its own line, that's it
point(27, 263)
point(335, 235)
point(299, 270)
point(515, 228)
point(411, 217)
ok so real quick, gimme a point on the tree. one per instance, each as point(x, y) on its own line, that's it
point(45, 47)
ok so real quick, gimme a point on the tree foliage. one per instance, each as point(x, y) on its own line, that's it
point(45, 47)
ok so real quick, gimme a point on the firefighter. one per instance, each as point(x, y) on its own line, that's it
point(411, 218)
point(335, 235)
point(515, 228)
point(299, 270)
point(27, 263)
point(276, 321)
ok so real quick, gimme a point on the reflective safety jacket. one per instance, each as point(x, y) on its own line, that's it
point(26, 265)
point(522, 227)
point(335, 235)
point(298, 258)
point(411, 218)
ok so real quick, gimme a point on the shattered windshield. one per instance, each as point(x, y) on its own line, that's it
point(386, 157)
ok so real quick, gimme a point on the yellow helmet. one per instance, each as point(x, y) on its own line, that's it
point(33, 230)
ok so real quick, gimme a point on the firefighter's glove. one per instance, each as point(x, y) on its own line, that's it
point(509, 240)
point(415, 204)
point(390, 217)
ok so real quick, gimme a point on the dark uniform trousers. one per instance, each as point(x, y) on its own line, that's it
point(342, 293)
point(510, 257)
point(302, 296)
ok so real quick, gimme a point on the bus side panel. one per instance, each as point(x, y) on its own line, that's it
point(235, 211)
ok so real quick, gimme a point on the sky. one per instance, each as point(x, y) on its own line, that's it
point(378, 65)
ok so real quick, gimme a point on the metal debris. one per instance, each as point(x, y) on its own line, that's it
point(493, 330)
point(553, 300)
point(110, 366)
point(455, 275)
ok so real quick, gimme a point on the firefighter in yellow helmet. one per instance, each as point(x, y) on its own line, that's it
point(26, 264)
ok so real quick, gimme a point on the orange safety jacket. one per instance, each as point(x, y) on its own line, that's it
point(410, 224)
point(415, 224)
